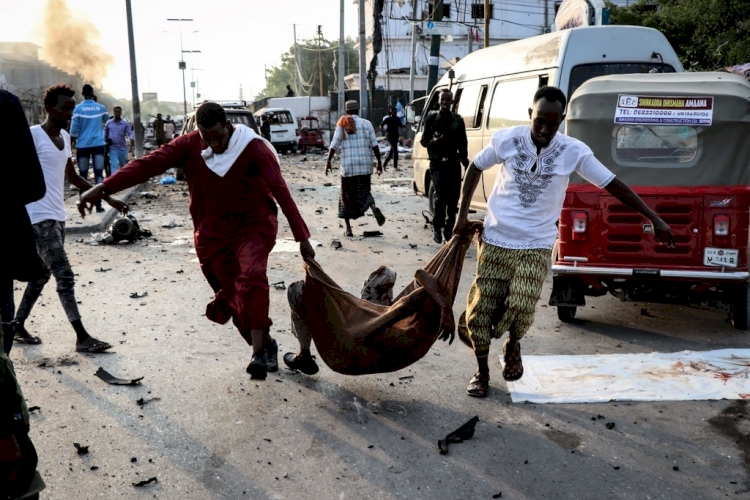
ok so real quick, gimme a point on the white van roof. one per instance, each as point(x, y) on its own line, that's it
point(605, 43)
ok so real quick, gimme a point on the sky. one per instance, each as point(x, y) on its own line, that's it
point(237, 38)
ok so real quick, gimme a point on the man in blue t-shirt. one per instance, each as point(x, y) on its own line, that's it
point(87, 132)
point(115, 132)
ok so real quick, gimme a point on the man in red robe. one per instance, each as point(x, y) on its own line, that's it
point(235, 182)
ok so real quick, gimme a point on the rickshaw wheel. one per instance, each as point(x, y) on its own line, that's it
point(566, 314)
point(741, 308)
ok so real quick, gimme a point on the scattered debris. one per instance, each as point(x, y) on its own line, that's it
point(675, 468)
point(123, 228)
point(499, 495)
point(133, 460)
point(372, 234)
point(34, 408)
point(413, 245)
point(61, 361)
point(171, 224)
point(394, 202)
point(279, 285)
point(319, 211)
point(406, 377)
point(336, 244)
point(112, 380)
point(327, 184)
point(82, 450)
point(644, 312)
point(149, 195)
point(102, 270)
point(406, 237)
point(147, 481)
point(94, 467)
point(610, 425)
point(136, 295)
point(167, 180)
point(181, 271)
point(376, 251)
point(461, 434)
point(144, 402)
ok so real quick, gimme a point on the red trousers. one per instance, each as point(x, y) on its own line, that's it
point(237, 273)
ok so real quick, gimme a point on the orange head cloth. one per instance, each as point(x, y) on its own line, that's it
point(348, 124)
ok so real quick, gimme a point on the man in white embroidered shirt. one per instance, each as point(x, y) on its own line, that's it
point(519, 227)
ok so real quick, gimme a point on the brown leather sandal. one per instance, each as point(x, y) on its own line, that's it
point(513, 369)
point(479, 385)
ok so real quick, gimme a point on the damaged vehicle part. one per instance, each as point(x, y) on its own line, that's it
point(460, 435)
point(112, 380)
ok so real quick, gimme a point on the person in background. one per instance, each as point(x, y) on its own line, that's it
point(356, 139)
point(48, 216)
point(290, 92)
point(159, 130)
point(444, 137)
point(265, 128)
point(87, 132)
point(115, 132)
point(169, 130)
point(390, 127)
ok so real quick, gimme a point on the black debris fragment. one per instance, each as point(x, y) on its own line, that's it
point(133, 460)
point(144, 402)
point(82, 450)
point(112, 380)
point(181, 271)
point(376, 251)
point(644, 312)
point(136, 295)
point(413, 245)
point(336, 244)
point(103, 270)
point(94, 467)
point(33, 409)
point(319, 211)
point(327, 184)
point(406, 377)
point(372, 234)
point(675, 468)
point(279, 285)
point(147, 481)
point(610, 425)
point(499, 495)
point(461, 434)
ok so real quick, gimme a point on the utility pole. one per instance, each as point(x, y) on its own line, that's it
point(320, 63)
point(296, 63)
point(437, 15)
point(134, 86)
point(486, 23)
point(342, 57)
point(471, 39)
point(182, 65)
point(546, 16)
point(413, 62)
point(363, 108)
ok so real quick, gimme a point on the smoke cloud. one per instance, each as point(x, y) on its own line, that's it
point(70, 44)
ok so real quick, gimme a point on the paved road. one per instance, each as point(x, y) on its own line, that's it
point(210, 432)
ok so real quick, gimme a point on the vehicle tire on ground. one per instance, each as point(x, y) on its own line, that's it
point(566, 314)
point(741, 307)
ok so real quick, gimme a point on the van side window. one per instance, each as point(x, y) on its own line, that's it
point(467, 104)
point(584, 72)
point(432, 107)
point(480, 107)
point(511, 101)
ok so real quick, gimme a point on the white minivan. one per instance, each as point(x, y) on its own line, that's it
point(493, 88)
point(284, 129)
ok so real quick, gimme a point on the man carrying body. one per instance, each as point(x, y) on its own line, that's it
point(356, 139)
point(115, 132)
point(88, 134)
point(234, 177)
point(47, 215)
point(519, 227)
point(444, 136)
point(390, 126)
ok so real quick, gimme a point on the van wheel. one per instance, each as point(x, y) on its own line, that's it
point(741, 308)
point(431, 197)
point(566, 314)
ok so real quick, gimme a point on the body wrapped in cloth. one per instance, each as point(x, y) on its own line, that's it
point(356, 337)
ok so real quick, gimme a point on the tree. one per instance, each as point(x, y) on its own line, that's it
point(706, 34)
point(278, 77)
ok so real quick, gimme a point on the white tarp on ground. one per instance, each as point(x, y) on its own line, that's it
point(678, 376)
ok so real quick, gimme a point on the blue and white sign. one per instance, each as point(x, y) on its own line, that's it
point(440, 28)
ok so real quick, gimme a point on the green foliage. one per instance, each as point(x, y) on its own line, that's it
point(278, 77)
point(707, 34)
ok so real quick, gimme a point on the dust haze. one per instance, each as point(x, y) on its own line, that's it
point(70, 43)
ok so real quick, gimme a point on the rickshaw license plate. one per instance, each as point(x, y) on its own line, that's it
point(720, 257)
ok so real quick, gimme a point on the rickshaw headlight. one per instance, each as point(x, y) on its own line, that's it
point(580, 223)
point(721, 230)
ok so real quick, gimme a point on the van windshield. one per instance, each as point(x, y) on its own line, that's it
point(279, 118)
point(584, 72)
point(242, 119)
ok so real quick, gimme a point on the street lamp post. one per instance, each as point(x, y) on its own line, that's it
point(182, 64)
point(183, 73)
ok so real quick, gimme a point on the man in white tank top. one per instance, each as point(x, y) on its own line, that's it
point(47, 216)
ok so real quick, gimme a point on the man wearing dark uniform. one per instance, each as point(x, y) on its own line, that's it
point(444, 137)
